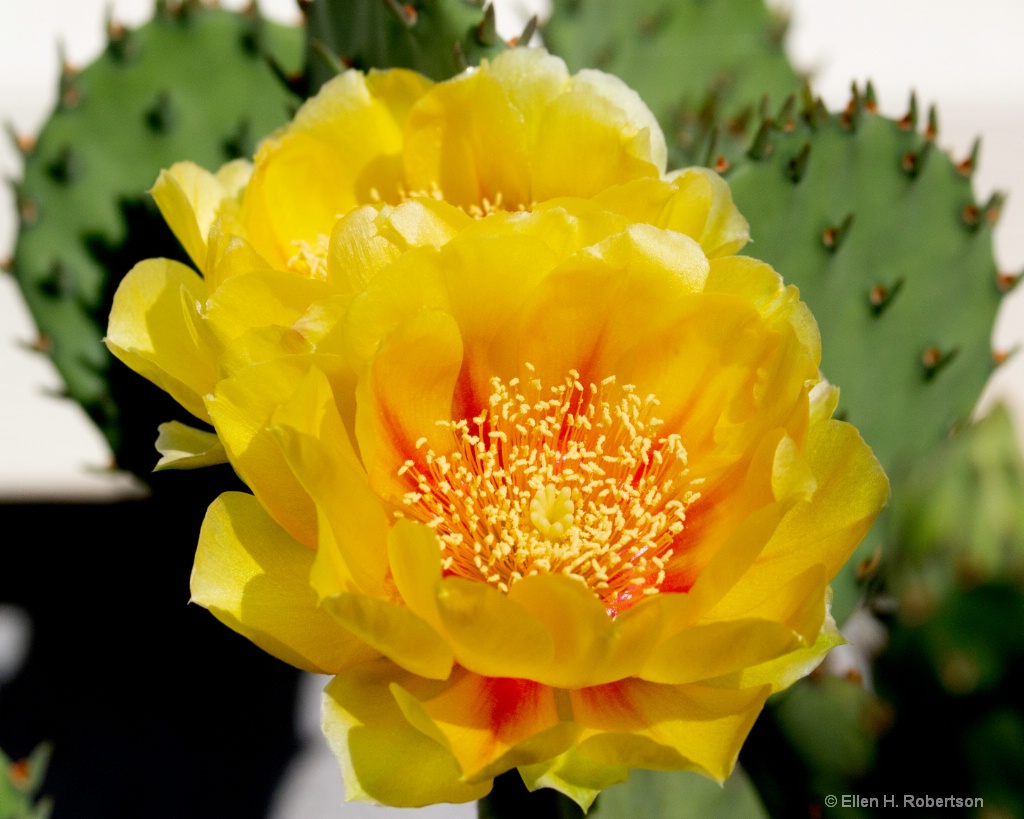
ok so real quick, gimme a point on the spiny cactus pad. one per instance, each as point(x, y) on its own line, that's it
point(702, 67)
point(191, 84)
point(438, 38)
point(882, 233)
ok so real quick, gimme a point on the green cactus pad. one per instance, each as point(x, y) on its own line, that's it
point(191, 84)
point(882, 233)
point(438, 38)
point(959, 520)
point(703, 68)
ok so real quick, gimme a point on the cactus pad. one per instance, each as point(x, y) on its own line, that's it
point(882, 233)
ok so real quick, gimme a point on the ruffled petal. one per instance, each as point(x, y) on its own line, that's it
point(489, 724)
point(368, 733)
point(481, 623)
point(395, 631)
point(826, 528)
point(155, 329)
point(241, 409)
point(287, 201)
point(467, 142)
point(780, 673)
point(253, 578)
point(576, 775)
point(597, 133)
point(352, 525)
point(590, 647)
point(634, 723)
point(370, 238)
point(191, 199)
point(605, 301)
point(696, 202)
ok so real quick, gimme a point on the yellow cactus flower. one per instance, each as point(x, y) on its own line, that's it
point(541, 471)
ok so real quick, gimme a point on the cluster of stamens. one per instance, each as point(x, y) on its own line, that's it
point(310, 260)
point(571, 479)
point(477, 210)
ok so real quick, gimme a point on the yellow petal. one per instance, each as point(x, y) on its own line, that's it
point(398, 633)
point(407, 388)
point(782, 672)
point(191, 199)
point(414, 555)
point(352, 525)
point(370, 238)
point(696, 202)
point(288, 200)
point(242, 408)
point(466, 140)
point(708, 650)
point(153, 329)
point(576, 775)
point(369, 735)
point(596, 134)
point(229, 253)
point(491, 725)
point(262, 298)
point(640, 724)
point(253, 577)
point(603, 302)
point(851, 490)
point(184, 447)
point(589, 647)
point(481, 623)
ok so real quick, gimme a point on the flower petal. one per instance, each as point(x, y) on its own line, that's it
point(253, 578)
point(696, 202)
point(155, 329)
point(465, 140)
point(184, 447)
point(242, 408)
point(605, 301)
point(395, 631)
point(191, 199)
point(708, 650)
point(634, 723)
point(597, 133)
point(590, 647)
point(782, 672)
point(576, 775)
point(369, 735)
point(405, 391)
point(287, 202)
point(481, 623)
point(414, 556)
point(491, 725)
point(352, 525)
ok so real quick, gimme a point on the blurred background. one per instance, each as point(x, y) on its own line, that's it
point(965, 57)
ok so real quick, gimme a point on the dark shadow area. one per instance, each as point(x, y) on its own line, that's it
point(153, 707)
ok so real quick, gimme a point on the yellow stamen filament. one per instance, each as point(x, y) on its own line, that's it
point(310, 260)
point(571, 479)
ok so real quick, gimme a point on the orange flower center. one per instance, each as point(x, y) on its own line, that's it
point(571, 479)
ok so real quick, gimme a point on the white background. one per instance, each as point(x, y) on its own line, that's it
point(966, 57)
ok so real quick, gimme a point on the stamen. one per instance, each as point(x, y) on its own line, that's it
point(573, 479)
